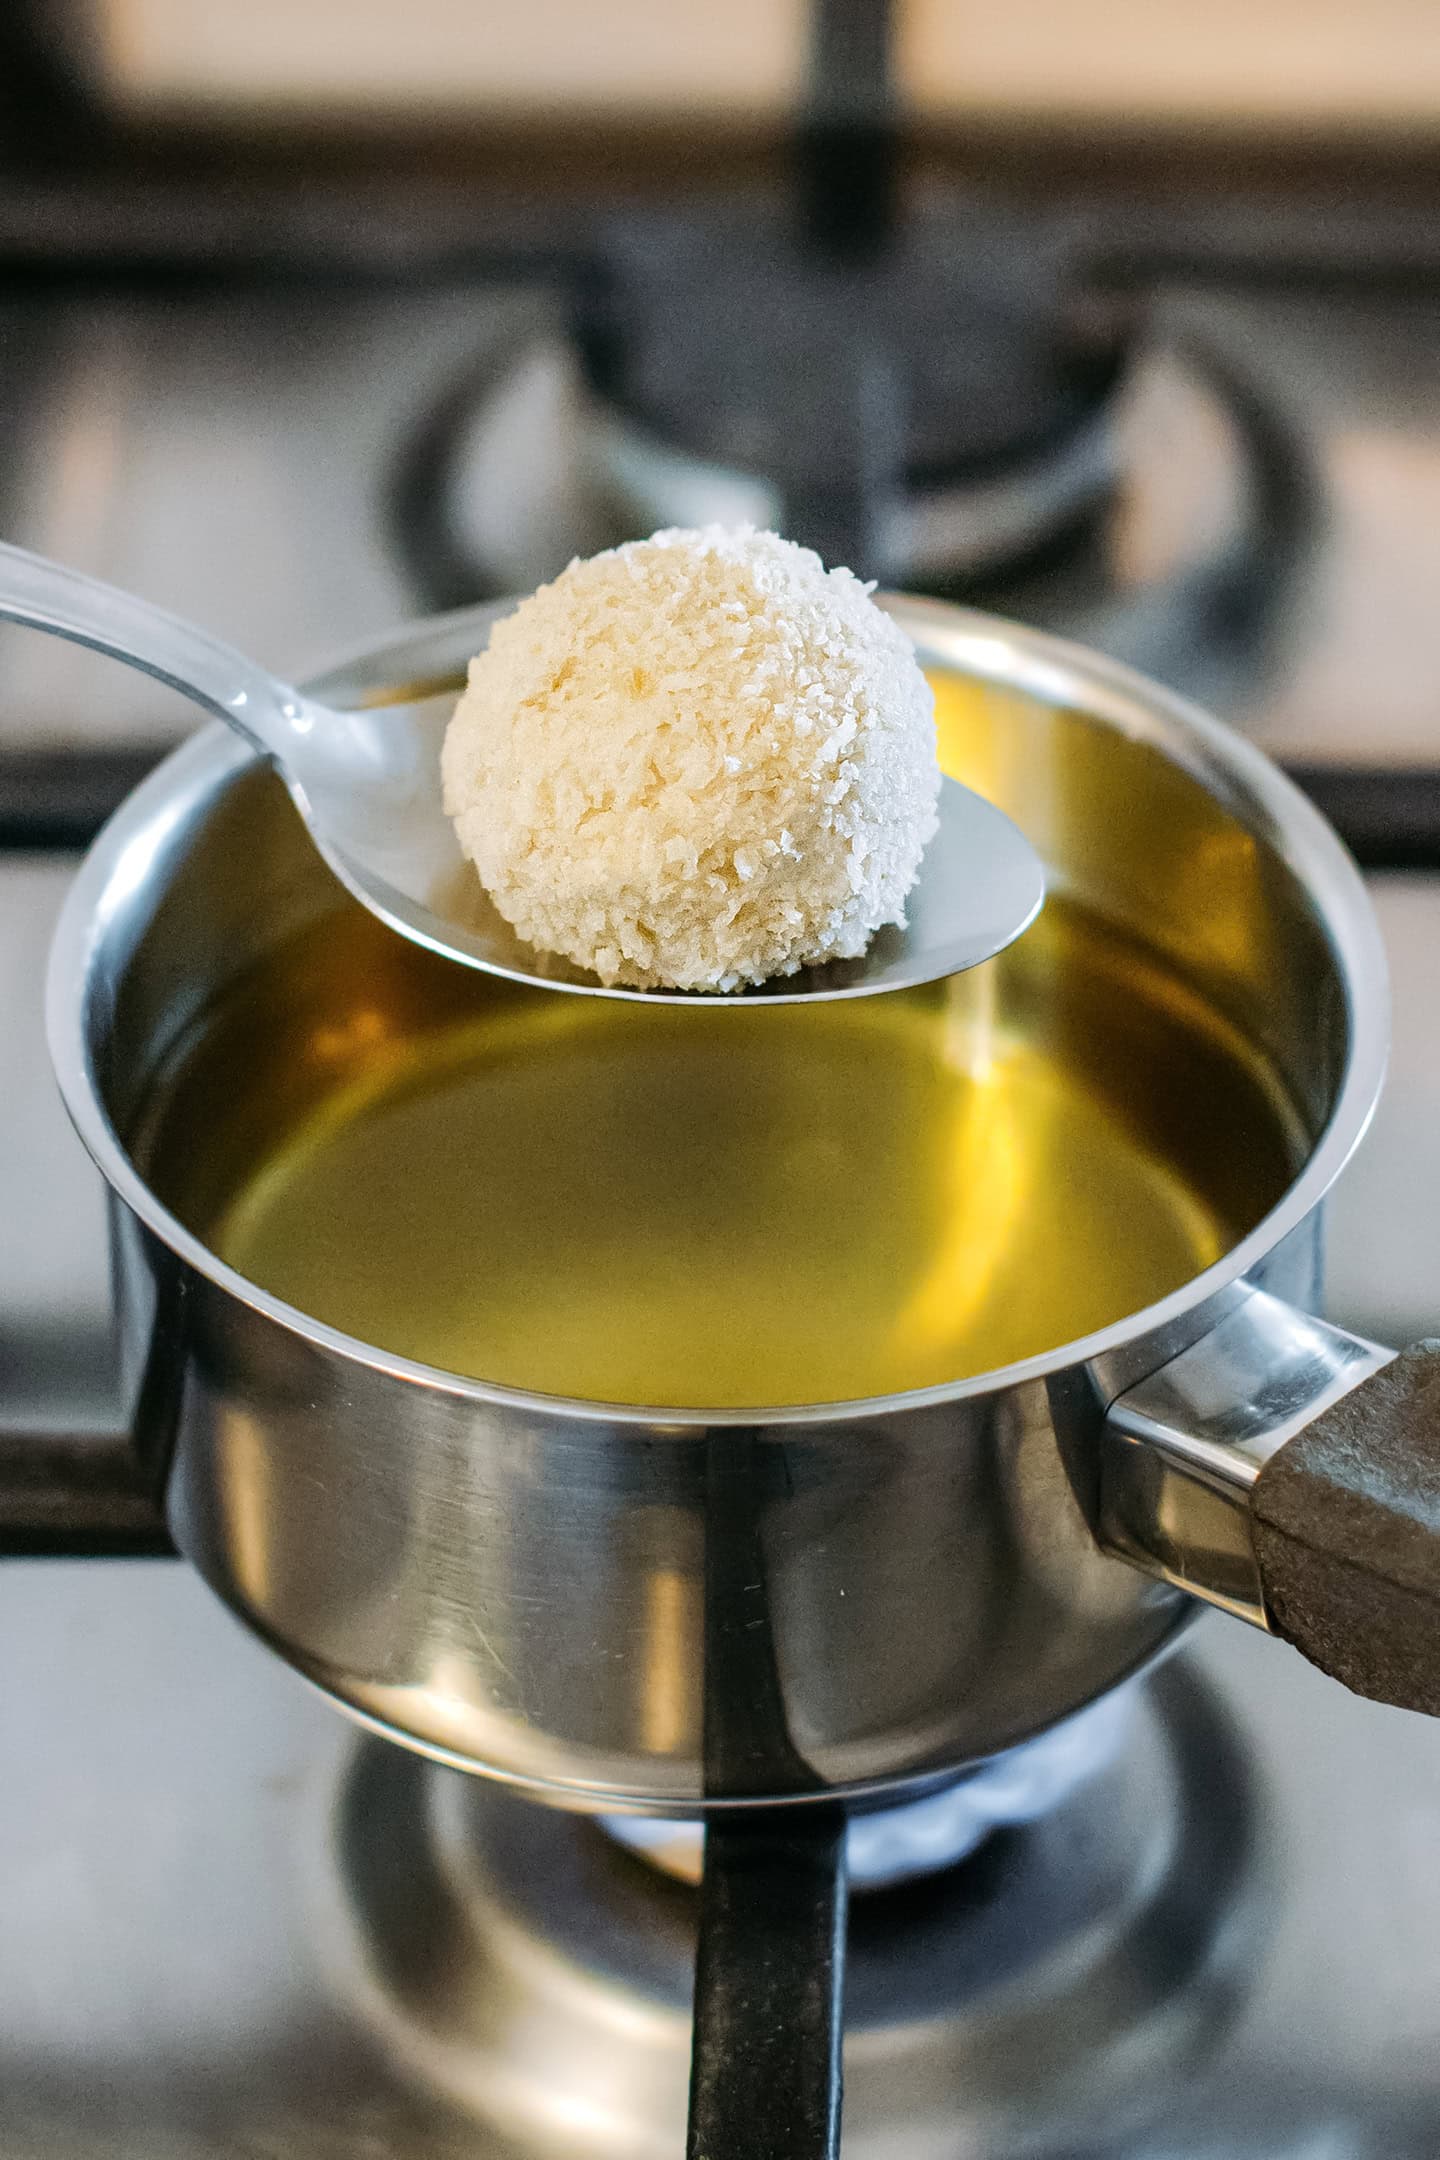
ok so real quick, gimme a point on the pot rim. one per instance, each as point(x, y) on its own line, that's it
point(1233, 770)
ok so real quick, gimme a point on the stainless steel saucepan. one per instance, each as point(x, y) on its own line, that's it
point(681, 1611)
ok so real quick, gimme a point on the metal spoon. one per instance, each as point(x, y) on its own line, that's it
point(367, 784)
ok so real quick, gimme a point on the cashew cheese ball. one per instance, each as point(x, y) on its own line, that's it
point(696, 762)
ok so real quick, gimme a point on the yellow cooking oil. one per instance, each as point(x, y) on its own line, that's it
point(671, 1206)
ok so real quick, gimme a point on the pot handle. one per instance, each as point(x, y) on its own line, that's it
point(1289, 1473)
point(1346, 1521)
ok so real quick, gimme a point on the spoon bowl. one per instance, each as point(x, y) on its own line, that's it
point(366, 781)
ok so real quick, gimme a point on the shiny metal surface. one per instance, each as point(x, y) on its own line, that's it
point(165, 1989)
point(130, 416)
point(1182, 1450)
point(889, 1845)
point(367, 783)
point(1041, 1994)
point(233, 1927)
point(538, 1587)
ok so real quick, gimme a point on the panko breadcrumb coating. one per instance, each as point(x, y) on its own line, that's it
point(696, 762)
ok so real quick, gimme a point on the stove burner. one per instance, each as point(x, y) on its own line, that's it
point(1166, 519)
point(959, 349)
point(920, 1837)
point(1053, 1991)
point(948, 530)
point(928, 412)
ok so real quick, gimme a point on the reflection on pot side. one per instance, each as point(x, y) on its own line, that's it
point(677, 1207)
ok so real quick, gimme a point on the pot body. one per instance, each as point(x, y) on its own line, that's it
point(674, 1610)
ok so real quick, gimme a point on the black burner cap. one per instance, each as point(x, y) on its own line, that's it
point(962, 347)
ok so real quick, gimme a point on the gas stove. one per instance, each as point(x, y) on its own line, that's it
point(228, 1923)
point(234, 1926)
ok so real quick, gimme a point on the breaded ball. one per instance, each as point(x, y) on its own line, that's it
point(696, 762)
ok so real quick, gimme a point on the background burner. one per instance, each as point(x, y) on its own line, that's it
point(957, 350)
point(979, 410)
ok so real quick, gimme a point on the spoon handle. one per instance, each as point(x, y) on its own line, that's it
point(48, 596)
